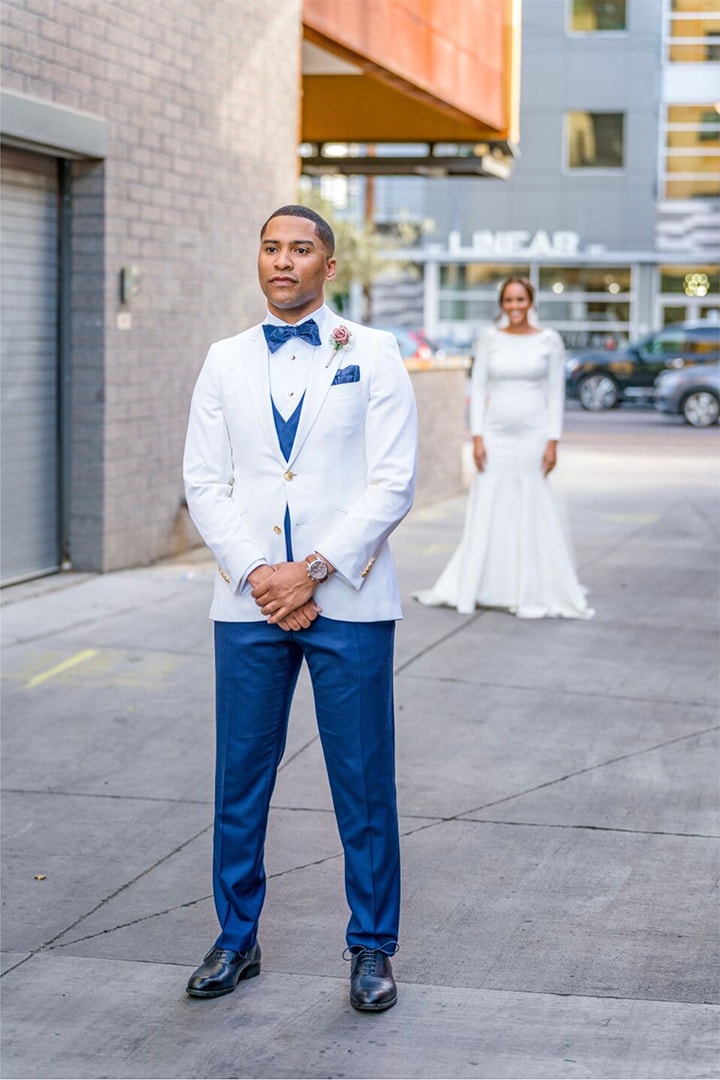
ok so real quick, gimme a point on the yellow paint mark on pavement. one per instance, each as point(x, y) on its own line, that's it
point(632, 519)
point(73, 661)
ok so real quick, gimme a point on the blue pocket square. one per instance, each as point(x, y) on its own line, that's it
point(351, 373)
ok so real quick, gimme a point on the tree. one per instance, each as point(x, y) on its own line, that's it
point(358, 249)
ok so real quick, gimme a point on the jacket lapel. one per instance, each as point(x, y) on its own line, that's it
point(257, 377)
point(322, 374)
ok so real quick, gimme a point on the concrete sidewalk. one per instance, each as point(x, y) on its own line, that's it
point(558, 789)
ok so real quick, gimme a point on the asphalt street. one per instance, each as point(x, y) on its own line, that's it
point(558, 787)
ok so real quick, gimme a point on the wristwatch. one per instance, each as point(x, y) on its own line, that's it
point(317, 569)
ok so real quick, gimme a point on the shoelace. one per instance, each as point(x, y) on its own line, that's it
point(362, 951)
point(366, 961)
point(223, 955)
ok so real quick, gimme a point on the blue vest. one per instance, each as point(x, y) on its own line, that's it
point(286, 430)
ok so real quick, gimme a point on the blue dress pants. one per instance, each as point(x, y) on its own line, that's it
point(351, 669)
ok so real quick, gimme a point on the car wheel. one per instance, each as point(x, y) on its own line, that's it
point(701, 408)
point(598, 392)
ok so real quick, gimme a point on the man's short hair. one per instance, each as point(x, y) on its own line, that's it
point(322, 228)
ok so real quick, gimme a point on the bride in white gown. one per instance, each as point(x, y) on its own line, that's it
point(514, 552)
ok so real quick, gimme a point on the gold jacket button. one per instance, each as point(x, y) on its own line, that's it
point(289, 475)
point(277, 529)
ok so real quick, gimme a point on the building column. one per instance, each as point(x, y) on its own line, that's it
point(431, 298)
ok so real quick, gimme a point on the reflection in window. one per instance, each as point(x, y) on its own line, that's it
point(672, 315)
point(595, 140)
point(480, 312)
point(579, 310)
point(704, 341)
point(469, 291)
point(693, 281)
point(480, 276)
point(590, 306)
point(589, 16)
point(590, 279)
point(668, 343)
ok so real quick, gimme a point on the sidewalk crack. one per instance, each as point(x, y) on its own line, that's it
point(465, 814)
point(456, 679)
point(591, 828)
point(439, 641)
point(165, 911)
point(106, 900)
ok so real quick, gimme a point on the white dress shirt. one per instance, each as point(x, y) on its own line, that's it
point(289, 370)
point(289, 366)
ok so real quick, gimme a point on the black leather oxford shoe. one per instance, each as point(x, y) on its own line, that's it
point(222, 970)
point(372, 986)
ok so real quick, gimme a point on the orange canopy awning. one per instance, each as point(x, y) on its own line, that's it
point(410, 70)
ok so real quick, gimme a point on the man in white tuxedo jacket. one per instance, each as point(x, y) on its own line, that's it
point(299, 462)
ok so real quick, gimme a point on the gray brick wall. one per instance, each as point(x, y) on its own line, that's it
point(201, 98)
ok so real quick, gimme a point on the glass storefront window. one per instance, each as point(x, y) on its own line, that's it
point(590, 16)
point(480, 276)
point(580, 311)
point(592, 279)
point(692, 281)
point(595, 140)
point(589, 305)
point(479, 312)
point(672, 314)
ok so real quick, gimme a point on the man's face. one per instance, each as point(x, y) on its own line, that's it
point(293, 267)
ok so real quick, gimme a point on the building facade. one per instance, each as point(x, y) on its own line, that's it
point(143, 144)
point(612, 208)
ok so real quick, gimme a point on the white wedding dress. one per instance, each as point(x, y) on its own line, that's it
point(515, 551)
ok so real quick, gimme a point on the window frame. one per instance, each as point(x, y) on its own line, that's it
point(621, 330)
point(570, 30)
point(590, 170)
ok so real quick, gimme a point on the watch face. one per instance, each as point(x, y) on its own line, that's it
point(317, 570)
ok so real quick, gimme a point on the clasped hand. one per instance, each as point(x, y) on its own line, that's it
point(284, 593)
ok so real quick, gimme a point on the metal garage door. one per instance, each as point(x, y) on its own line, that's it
point(29, 523)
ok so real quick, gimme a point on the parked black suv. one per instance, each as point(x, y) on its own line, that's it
point(603, 379)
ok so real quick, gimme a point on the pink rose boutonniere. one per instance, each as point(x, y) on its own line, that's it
point(339, 339)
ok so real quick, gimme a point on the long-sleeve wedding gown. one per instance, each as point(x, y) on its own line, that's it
point(515, 552)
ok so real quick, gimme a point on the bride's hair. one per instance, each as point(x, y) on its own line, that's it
point(515, 279)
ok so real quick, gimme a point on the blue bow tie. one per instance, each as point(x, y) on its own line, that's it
point(278, 335)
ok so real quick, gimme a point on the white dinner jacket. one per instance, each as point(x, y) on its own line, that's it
point(348, 483)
